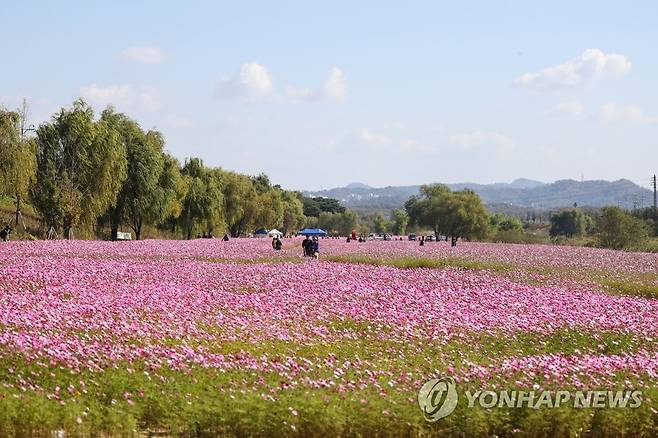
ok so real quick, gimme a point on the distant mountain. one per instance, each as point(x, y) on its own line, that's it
point(357, 185)
point(521, 192)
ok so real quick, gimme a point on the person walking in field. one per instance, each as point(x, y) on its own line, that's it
point(315, 248)
point(422, 241)
point(306, 243)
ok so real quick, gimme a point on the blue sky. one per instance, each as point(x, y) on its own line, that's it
point(387, 93)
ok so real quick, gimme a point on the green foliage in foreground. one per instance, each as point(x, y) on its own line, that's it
point(127, 400)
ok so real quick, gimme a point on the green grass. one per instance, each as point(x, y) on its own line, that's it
point(624, 287)
point(411, 262)
point(206, 402)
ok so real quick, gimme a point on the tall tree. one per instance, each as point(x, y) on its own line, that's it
point(456, 214)
point(293, 212)
point(17, 160)
point(202, 203)
point(617, 229)
point(568, 223)
point(81, 166)
point(138, 201)
point(400, 221)
point(379, 223)
point(240, 203)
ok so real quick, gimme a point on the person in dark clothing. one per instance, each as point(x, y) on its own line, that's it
point(422, 241)
point(5, 232)
point(277, 244)
point(225, 238)
point(315, 248)
point(306, 243)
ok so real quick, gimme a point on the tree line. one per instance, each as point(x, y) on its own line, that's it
point(84, 174)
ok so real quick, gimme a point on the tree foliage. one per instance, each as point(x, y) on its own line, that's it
point(617, 229)
point(17, 160)
point(459, 214)
point(81, 167)
point(399, 222)
point(317, 205)
point(568, 223)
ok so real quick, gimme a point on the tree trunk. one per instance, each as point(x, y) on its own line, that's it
point(18, 209)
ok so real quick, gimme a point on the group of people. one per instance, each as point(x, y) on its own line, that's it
point(5, 232)
point(311, 247)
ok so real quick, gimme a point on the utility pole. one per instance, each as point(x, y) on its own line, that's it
point(655, 198)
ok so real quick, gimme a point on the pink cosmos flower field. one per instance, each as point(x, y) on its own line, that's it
point(143, 336)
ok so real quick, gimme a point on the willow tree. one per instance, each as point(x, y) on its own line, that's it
point(202, 204)
point(140, 200)
point(81, 166)
point(17, 160)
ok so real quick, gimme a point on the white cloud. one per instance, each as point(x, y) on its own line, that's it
point(572, 109)
point(373, 138)
point(179, 122)
point(123, 96)
point(590, 66)
point(252, 82)
point(479, 139)
point(612, 112)
point(393, 142)
point(334, 89)
point(144, 55)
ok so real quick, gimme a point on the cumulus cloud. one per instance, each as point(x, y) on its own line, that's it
point(334, 89)
point(253, 81)
point(572, 109)
point(591, 65)
point(144, 55)
point(123, 96)
point(478, 139)
point(611, 113)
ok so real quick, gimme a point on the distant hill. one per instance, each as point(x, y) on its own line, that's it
point(521, 192)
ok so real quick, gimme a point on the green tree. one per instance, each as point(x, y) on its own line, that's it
point(618, 230)
point(399, 222)
point(81, 166)
point(568, 223)
point(501, 222)
point(315, 206)
point(456, 214)
point(293, 212)
point(240, 202)
point(137, 201)
point(202, 204)
point(17, 160)
point(379, 223)
point(270, 210)
point(429, 208)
